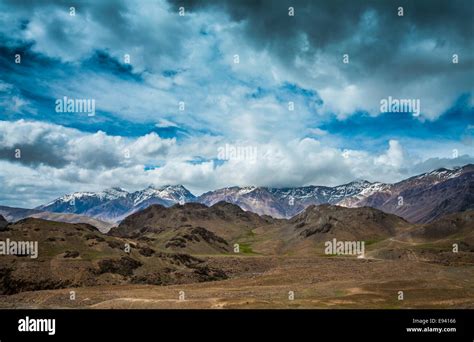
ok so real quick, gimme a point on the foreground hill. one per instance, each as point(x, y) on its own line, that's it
point(197, 229)
point(306, 233)
point(72, 255)
point(447, 241)
point(458, 227)
point(327, 221)
point(3, 223)
point(192, 227)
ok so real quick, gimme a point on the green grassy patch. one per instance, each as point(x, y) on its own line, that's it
point(371, 242)
point(245, 248)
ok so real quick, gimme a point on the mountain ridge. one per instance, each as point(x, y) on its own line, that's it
point(401, 198)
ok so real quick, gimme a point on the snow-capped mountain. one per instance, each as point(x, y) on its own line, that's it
point(421, 198)
point(172, 193)
point(81, 202)
point(256, 199)
point(373, 188)
point(282, 202)
point(114, 204)
point(425, 197)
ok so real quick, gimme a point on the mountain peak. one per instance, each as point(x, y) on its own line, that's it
point(167, 187)
point(116, 192)
point(360, 181)
point(441, 169)
point(444, 173)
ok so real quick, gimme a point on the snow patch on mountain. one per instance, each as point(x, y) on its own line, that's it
point(105, 195)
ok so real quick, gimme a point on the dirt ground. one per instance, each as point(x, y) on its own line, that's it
point(277, 282)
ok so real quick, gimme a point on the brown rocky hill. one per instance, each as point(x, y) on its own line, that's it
point(433, 242)
point(327, 221)
point(452, 227)
point(222, 219)
point(3, 223)
point(74, 255)
point(167, 245)
point(307, 232)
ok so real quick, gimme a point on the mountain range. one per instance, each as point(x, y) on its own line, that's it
point(113, 205)
point(191, 243)
point(12, 214)
point(419, 199)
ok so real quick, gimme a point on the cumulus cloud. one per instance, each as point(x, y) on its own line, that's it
point(393, 157)
point(38, 143)
point(67, 159)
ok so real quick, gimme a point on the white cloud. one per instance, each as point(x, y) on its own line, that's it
point(58, 146)
point(94, 161)
point(393, 157)
point(163, 123)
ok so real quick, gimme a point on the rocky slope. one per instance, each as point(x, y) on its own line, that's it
point(75, 255)
point(3, 223)
point(327, 221)
point(224, 220)
point(426, 197)
point(184, 243)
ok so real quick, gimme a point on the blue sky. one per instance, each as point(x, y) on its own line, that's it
point(333, 133)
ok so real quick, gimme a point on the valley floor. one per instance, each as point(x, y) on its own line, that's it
point(266, 282)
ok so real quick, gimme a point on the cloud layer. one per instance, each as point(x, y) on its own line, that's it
point(171, 91)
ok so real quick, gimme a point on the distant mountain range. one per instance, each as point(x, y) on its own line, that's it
point(418, 199)
point(12, 214)
point(423, 198)
point(113, 205)
point(283, 202)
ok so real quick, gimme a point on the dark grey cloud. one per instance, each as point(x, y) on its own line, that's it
point(330, 22)
point(383, 47)
point(33, 155)
point(38, 144)
point(97, 25)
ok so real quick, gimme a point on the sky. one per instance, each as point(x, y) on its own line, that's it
point(210, 94)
